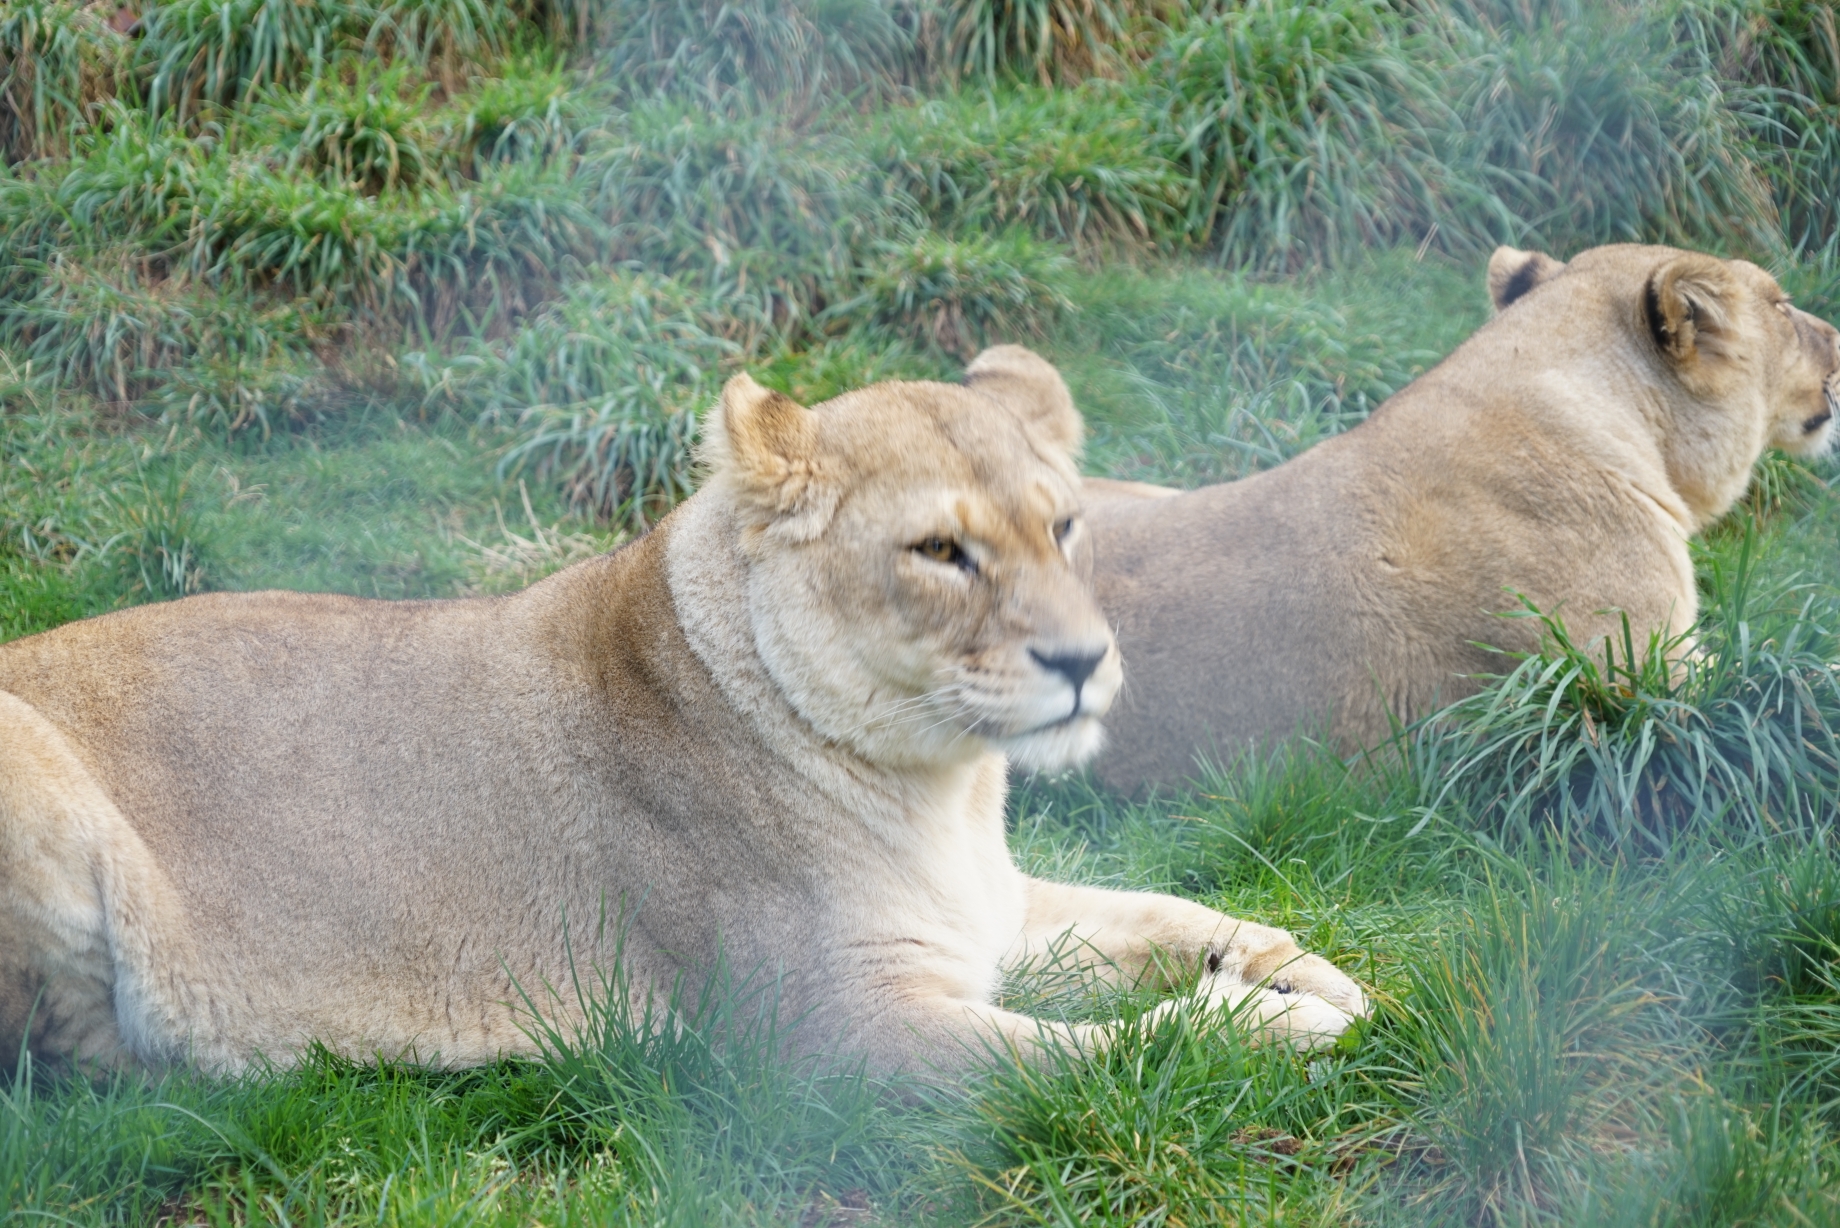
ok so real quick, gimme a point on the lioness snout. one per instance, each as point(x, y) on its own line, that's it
point(1077, 666)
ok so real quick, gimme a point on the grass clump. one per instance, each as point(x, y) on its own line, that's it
point(1192, 378)
point(1042, 40)
point(1309, 129)
point(771, 216)
point(369, 135)
point(532, 111)
point(1634, 742)
point(117, 330)
point(1601, 123)
point(60, 63)
point(1178, 1119)
point(961, 294)
point(1088, 167)
point(213, 54)
point(792, 53)
point(1528, 1012)
point(603, 388)
point(1790, 54)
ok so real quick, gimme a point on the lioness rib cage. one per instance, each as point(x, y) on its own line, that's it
point(1565, 453)
point(780, 723)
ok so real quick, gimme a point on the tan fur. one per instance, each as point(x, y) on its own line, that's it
point(1566, 451)
point(774, 730)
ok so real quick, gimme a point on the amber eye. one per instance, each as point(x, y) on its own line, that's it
point(945, 550)
point(1062, 527)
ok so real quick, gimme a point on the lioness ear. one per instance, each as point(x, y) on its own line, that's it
point(1512, 273)
point(766, 444)
point(1029, 386)
point(1687, 304)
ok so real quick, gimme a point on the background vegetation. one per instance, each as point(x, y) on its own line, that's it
point(423, 297)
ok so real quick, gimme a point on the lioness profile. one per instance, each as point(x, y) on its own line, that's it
point(1613, 407)
point(772, 731)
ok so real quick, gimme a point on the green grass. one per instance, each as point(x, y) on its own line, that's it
point(1577, 1024)
point(423, 297)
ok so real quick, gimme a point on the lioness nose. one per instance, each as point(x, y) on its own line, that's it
point(1077, 667)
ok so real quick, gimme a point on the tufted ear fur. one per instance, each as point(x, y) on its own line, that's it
point(1512, 273)
point(767, 445)
point(1029, 386)
point(1687, 305)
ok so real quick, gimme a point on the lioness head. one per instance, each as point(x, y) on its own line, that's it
point(1740, 367)
point(917, 564)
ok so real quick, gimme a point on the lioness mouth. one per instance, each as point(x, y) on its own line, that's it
point(1043, 728)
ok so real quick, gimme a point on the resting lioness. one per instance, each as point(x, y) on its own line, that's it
point(772, 731)
point(1567, 451)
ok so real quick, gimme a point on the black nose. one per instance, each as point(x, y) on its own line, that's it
point(1078, 667)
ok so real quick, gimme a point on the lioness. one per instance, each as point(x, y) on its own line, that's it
point(1614, 406)
point(773, 730)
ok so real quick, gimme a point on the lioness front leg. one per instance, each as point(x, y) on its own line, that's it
point(1142, 937)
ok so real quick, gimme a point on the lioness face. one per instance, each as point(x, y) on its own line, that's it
point(1811, 399)
point(917, 565)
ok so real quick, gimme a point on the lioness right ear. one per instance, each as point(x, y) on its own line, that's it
point(1512, 273)
point(766, 444)
point(1686, 305)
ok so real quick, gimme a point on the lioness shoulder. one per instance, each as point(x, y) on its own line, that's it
point(1565, 453)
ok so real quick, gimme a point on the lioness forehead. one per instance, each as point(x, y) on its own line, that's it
point(1643, 257)
point(924, 431)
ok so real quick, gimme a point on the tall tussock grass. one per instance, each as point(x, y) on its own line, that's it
point(1088, 166)
point(1310, 129)
point(60, 63)
point(215, 53)
point(431, 172)
point(1177, 1120)
point(1631, 741)
point(773, 214)
point(604, 387)
point(113, 330)
point(795, 54)
point(1527, 1010)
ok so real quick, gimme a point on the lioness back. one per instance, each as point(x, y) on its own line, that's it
point(435, 778)
point(1563, 454)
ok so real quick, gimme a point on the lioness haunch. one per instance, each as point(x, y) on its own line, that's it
point(234, 824)
point(1565, 452)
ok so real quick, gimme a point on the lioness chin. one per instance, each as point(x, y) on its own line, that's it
point(772, 731)
point(1613, 407)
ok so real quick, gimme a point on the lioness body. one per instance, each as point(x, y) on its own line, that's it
point(236, 824)
point(1564, 453)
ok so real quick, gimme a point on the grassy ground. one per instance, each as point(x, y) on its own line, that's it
point(420, 297)
point(1574, 1030)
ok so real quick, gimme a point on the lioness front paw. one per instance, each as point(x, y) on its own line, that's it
point(1298, 1018)
point(1314, 975)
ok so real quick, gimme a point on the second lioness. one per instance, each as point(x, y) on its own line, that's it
point(1565, 452)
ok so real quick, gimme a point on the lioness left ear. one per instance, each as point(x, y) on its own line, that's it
point(767, 445)
point(1687, 304)
point(1512, 273)
point(1029, 386)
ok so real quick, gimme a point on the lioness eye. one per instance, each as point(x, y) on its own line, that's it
point(1062, 527)
point(945, 550)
